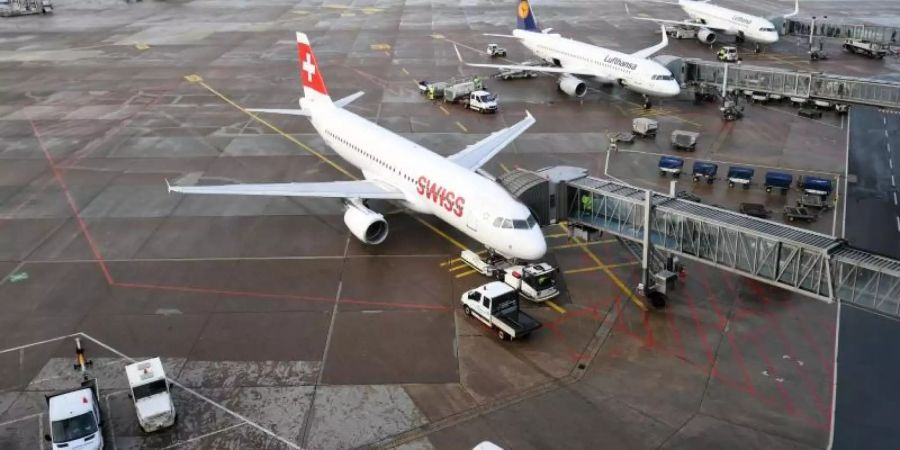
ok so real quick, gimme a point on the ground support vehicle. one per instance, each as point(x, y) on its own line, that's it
point(644, 127)
point(681, 32)
point(865, 47)
point(514, 74)
point(75, 418)
point(670, 164)
point(728, 53)
point(816, 186)
point(778, 180)
point(685, 140)
point(755, 210)
point(740, 175)
point(534, 281)
point(495, 50)
point(799, 213)
point(497, 305)
point(704, 170)
point(813, 202)
point(810, 113)
point(480, 101)
point(731, 111)
point(150, 394)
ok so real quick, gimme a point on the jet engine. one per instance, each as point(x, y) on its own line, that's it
point(706, 36)
point(572, 86)
point(367, 225)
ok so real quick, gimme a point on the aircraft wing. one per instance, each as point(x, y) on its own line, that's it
point(333, 189)
point(477, 154)
point(543, 69)
point(686, 23)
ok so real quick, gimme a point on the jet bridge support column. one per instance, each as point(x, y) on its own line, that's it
point(646, 281)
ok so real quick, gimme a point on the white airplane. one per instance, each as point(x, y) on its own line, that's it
point(573, 59)
point(396, 168)
point(710, 19)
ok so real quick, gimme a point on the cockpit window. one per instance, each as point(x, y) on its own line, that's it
point(663, 77)
point(520, 224)
point(766, 29)
point(526, 224)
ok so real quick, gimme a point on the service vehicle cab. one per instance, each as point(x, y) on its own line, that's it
point(536, 282)
point(497, 305)
point(75, 419)
point(495, 50)
point(150, 393)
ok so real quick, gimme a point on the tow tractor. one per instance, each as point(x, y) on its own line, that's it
point(150, 393)
point(495, 50)
point(534, 281)
point(728, 53)
point(496, 305)
point(74, 414)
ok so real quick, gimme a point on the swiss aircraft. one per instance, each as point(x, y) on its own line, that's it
point(396, 168)
point(710, 19)
point(575, 61)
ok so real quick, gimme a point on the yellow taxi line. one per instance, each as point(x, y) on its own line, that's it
point(555, 307)
point(616, 280)
point(596, 268)
point(197, 79)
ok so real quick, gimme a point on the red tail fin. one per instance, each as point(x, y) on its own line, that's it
point(310, 75)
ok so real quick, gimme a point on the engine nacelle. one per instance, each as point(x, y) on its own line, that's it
point(706, 36)
point(572, 86)
point(367, 225)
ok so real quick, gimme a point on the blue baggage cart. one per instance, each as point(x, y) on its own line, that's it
point(778, 180)
point(670, 164)
point(740, 175)
point(816, 186)
point(705, 170)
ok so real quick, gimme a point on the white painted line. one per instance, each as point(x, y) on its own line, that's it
point(203, 436)
point(204, 398)
point(885, 133)
point(38, 343)
point(21, 419)
point(846, 178)
point(892, 181)
point(834, 374)
point(895, 198)
point(898, 223)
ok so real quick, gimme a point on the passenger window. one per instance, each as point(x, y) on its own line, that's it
point(498, 222)
point(507, 223)
point(486, 302)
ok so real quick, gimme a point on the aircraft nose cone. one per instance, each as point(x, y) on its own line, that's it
point(534, 248)
point(673, 89)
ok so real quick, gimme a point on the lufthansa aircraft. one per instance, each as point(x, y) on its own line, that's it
point(573, 59)
point(396, 168)
point(710, 19)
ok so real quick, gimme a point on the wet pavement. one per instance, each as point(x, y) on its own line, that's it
point(282, 330)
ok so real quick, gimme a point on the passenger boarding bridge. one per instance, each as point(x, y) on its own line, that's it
point(807, 262)
point(824, 28)
point(810, 86)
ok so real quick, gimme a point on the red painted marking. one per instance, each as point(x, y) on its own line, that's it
point(700, 331)
point(676, 334)
point(723, 322)
point(81, 224)
point(309, 69)
point(804, 376)
point(253, 294)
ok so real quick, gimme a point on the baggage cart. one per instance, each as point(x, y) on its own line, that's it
point(778, 180)
point(704, 170)
point(740, 175)
point(670, 164)
point(794, 213)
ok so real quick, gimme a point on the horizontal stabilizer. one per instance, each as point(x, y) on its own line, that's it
point(348, 99)
point(289, 112)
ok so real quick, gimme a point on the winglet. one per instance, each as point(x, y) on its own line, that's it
point(168, 186)
point(796, 10)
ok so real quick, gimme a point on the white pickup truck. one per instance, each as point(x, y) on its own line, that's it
point(534, 281)
point(497, 305)
point(75, 419)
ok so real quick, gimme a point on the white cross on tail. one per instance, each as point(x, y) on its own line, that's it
point(309, 67)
